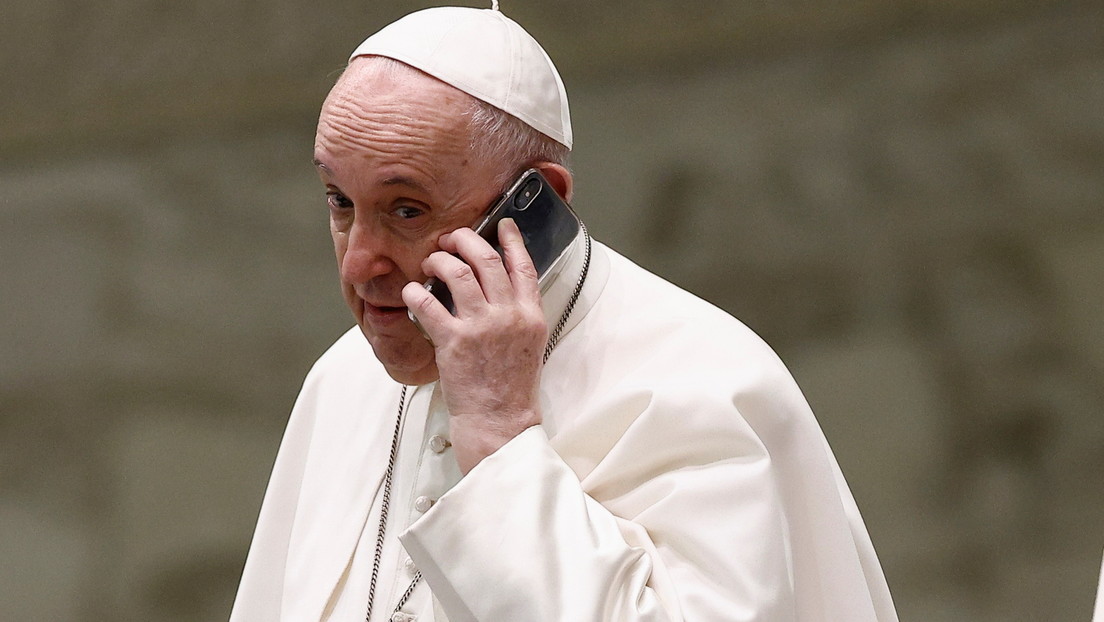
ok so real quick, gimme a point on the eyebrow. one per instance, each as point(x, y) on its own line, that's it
point(395, 180)
point(402, 180)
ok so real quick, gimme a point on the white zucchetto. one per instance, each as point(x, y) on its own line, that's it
point(485, 54)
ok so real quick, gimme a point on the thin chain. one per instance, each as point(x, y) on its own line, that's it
point(409, 590)
point(553, 339)
point(385, 509)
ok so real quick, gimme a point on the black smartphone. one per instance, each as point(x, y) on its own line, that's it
point(547, 224)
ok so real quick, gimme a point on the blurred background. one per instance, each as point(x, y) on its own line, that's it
point(904, 198)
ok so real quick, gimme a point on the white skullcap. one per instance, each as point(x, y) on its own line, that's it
point(485, 54)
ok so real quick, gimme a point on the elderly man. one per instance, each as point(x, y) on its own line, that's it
point(596, 445)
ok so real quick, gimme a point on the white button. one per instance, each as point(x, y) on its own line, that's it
point(399, 616)
point(410, 567)
point(423, 503)
point(438, 443)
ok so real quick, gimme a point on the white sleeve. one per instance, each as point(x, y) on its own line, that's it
point(517, 539)
point(687, 504)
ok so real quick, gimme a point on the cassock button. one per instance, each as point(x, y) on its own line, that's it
point(399, 616)
point(438, 443)
point(410, 566)
point(423, 503)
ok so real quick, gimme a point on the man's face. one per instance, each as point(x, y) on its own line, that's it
point(393, 149)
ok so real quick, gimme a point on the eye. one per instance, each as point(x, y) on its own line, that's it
point(338, 200)
point(408, 212)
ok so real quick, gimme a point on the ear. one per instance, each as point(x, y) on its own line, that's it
point(559, 177)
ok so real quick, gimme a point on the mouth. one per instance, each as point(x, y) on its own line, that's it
point(384, 308)
point(384, 313)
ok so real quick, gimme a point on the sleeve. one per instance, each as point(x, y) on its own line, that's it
point(525, 528)
point(684, 504)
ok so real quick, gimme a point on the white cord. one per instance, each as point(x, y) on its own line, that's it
point(494, 5)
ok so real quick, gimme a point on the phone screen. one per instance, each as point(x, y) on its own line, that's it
point(547, 224)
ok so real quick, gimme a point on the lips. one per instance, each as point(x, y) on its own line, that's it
point(384, 314)
point(385, 307)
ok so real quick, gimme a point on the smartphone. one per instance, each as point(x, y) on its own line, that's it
point(547, 223)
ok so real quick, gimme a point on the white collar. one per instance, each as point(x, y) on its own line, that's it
point(560, 283)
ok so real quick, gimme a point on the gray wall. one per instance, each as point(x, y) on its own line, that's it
point(903, 198)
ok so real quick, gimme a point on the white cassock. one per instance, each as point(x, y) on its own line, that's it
point(1098, 611)
point(678, 475)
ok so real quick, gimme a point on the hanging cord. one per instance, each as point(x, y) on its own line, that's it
point(386, 506)
point(494, 5)
point(554, 338)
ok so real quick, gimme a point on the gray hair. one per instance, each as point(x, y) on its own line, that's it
point(517, 145)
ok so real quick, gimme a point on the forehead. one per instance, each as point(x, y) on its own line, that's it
point(381, 103)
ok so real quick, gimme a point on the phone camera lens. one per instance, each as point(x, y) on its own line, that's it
point(528, 192)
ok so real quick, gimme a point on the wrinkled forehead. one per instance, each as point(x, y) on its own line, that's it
point(373, 82)
point(382, 112)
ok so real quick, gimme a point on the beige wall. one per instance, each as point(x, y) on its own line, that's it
point(903, 198)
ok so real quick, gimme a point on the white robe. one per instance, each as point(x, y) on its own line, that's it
point(1098, 611)
point(678, 475)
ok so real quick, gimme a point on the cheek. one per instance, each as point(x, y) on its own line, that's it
point(410, 259)
point(340, 243)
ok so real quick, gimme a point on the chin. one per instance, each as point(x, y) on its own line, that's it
point(408, 360)
point(413, 378)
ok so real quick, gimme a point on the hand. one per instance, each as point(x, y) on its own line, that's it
point(489, 356)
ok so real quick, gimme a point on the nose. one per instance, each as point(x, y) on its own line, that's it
point(367, 255)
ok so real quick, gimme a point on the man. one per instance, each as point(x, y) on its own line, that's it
point(659, 465)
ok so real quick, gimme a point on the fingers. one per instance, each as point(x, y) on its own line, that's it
point(459, 277)
point(519, 264)
point(495, 285)
point(428, 310)
point(477, 276)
